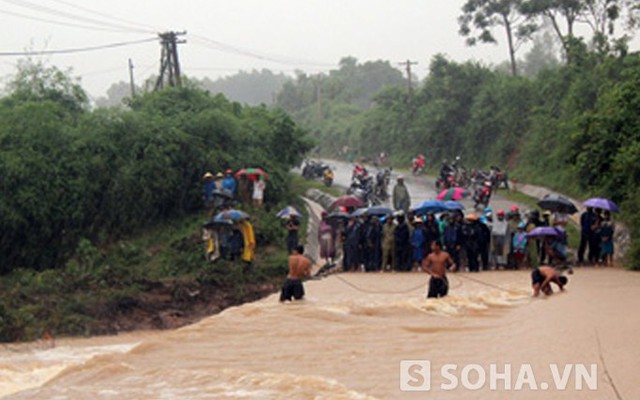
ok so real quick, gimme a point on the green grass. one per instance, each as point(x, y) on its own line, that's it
point(301, 185)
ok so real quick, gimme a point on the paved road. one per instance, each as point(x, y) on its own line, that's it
point(421, 188)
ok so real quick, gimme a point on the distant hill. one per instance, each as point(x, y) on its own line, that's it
point(252, 88)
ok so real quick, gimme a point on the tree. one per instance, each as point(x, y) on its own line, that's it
point(116, 93)
point(484, 15)
point(600, 15)
point(35, 81)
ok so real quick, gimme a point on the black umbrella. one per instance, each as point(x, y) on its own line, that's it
point(338, 215)
point(557, 203)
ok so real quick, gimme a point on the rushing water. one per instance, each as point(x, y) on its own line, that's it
point(346, 341)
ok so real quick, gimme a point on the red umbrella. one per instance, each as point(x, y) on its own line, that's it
point(252, 173)
point(456, 193)
point(348, 201)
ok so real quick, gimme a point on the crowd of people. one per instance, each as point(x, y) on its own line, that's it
point(231, 238)
point(475, 242)
point(221, 190)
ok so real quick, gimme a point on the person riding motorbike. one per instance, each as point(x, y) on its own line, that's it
point(446, 170)
point(359, 171)
point(482, 195)
point(418, 164)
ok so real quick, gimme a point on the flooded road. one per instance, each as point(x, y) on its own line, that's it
point(347, 340)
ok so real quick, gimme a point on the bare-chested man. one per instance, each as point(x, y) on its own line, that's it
point(299, 268)
point(542, 277)
point(436, 265)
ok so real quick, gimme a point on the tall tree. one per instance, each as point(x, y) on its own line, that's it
point(562, 14)
point(480, 17)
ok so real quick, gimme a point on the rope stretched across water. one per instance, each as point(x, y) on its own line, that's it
point(370, 291)
point(422, 285)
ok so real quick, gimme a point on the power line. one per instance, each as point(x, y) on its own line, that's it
point(71, 16)
point(75, 50)
point(220, 46)
point(48, 21)
point(105, 15)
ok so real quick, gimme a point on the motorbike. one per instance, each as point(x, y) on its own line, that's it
point(313, 169)
point(364, 189)
point(383, 178)
point(479, 177)
point(446, 183)
point(418, 165)
point(482, 195)
point(498, 178)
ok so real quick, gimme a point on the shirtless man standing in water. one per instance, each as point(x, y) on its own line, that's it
point(436, 265)
point(299, 268)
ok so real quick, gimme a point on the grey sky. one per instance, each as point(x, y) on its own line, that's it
point(311, 35)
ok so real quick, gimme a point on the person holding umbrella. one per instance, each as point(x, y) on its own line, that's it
point(293, 226)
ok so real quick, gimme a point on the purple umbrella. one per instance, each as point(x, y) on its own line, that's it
point(543, 231)
point(603, 204)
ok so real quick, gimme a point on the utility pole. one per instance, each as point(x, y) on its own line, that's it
point(407, 64)
point(131, 82)
point(169, 64)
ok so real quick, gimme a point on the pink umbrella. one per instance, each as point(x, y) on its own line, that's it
point(456, 193)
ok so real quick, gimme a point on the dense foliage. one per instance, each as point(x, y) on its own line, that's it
point(575, 128)
point(331, 105)
point(70, 173)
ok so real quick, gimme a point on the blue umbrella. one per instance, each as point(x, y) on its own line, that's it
point(287, 212)
point(230, 215)
point(430, 207)
point(603, 204)
point(379, 210)
point(453, 206)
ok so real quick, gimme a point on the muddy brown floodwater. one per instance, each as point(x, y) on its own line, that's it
point(347, 339)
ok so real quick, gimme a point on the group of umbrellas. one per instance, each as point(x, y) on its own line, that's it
point(446, 202)
point(558, 203)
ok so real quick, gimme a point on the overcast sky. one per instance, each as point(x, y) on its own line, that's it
point(226, 36)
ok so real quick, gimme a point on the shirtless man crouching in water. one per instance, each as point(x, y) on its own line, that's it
point(436, 265)
point(542, 277)
point(299, 268)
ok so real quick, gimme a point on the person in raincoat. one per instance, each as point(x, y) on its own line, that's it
point(249, 238)
point(401, 197)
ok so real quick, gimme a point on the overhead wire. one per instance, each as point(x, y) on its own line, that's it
point(62, 23)
point(72, 16)
point(74, 50)
point(220, 46)
point(105, 15)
